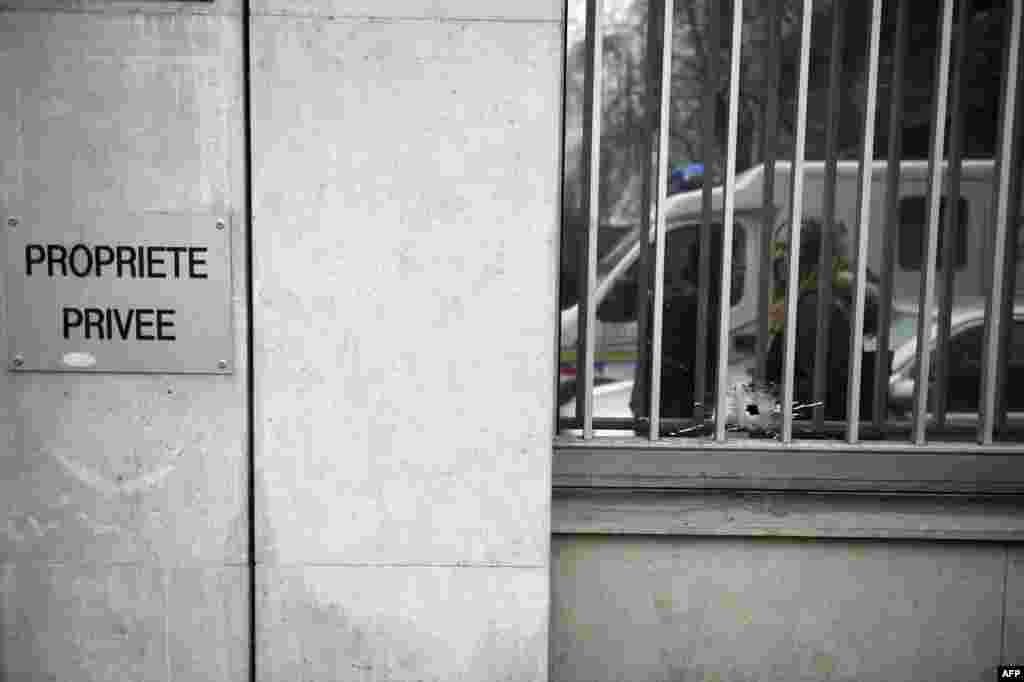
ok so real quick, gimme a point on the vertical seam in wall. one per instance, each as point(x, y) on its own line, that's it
point(250, 364)
point(1002, 620)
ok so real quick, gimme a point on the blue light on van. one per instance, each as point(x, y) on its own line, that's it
point(685, 177)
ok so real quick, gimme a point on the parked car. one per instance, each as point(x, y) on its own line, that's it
point(967, 331)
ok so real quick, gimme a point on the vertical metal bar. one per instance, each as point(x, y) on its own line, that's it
point(927, 297)
point(1012, 246)
point(892, 217)
point(863, 228)
point(1001, 201)
point(796, 217)
point(1002, 376)
point(768, 197)
point(952, 218)
point(824, 299)
point(729, 189)
point(591, 177)
point(664, 119)
point(711, 51)
point(560, 243)
point(647, 202)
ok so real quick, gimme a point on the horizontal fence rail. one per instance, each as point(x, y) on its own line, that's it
point(771, 236)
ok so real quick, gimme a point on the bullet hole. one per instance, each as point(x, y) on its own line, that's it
point(170, 391)
point(752, 409)
point(120, 478)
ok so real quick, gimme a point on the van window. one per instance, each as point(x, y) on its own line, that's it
point(913, 230)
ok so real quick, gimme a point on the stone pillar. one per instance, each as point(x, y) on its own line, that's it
point(406, 160)
point(123, 524)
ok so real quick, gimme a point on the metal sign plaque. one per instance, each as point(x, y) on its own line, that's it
point(148, 293)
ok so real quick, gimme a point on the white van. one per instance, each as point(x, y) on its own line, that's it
point(616, 341)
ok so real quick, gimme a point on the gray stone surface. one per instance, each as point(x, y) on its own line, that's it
point(123, 7)
point(208, 623)
point(789, 515)
point(530, 10)
point(122, 497)
point(84, 622)
point(402, 623)
point(120, 112)
point(405, 232)
point(123, 467)
point(1013, 617)
point(128, 469)
point(405, 227)
point(730, 609)
point(123, 622)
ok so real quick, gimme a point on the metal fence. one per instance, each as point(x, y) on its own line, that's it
point(928, 418)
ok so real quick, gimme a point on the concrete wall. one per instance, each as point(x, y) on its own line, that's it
point(700, 608)
point(406, 176)
point(122, 497)
point(406, 158)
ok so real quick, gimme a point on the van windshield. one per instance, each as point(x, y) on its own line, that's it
point(616, 245)
point(682, 247)
point(904, 328)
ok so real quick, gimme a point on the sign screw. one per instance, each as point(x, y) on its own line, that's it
point(222, 364)
point(220, 225)
point(19, 360)
point(12, 222)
